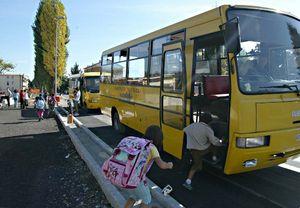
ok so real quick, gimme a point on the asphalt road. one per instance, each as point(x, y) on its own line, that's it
point(39, 166)
point(271, 187)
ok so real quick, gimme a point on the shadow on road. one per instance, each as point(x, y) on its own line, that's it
point(29, 113)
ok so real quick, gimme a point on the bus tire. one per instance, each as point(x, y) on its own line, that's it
point(116, 123)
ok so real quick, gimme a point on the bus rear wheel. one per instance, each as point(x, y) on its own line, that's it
point(117, 125)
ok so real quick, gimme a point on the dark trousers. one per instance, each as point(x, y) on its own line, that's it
point(8, 100)
point(197, 157)
point(22, 104)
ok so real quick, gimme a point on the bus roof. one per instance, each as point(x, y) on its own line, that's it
point(90, 74)
point(187, 23)
point(85, 74)
point(196, 20)
point(93, 68)
point(74, 76)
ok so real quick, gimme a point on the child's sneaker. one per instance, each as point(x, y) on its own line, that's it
point(187, 186)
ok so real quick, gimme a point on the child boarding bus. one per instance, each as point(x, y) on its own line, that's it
point(88, 84)
point(240, 64)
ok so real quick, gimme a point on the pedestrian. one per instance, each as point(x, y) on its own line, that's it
point(26, 98)
point(16, 98)
point(140, 153)
point(51, 103)
point(200, 142)
point(76, 101)
point(45, 95)
point(22, 99)
point(8, 95)
point(40, 106)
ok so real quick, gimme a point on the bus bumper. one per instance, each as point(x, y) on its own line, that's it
point(282, 145)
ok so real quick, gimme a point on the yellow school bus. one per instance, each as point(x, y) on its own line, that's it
point(240, 64)
point(88, 84)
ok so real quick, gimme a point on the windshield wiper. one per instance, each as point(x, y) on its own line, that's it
point(290, 87)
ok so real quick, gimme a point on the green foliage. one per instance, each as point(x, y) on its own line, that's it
point(75, 69)
point(64, 84)
point(44, 30)
point(5, 66)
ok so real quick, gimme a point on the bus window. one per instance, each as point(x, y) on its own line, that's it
point(116, 56)
point(105, 76)
point(138, 64)
point(91, 84)
point(155, 66)
point(120, 55)
point(209, 61)
point(119, 73)
point(157, 43)
point(107, 59)
point(138, 71)
point(155, 71)
point(139, 51)
point(173, 71)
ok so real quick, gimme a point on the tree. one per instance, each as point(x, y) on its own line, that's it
point(75, 69)
point(5, 66)
point(45, 30)
point(64, 84)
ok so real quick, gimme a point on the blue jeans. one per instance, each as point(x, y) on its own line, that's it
point(142, 192)
point(15, 102)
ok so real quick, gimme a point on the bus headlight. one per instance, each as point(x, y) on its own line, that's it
point(253, 142)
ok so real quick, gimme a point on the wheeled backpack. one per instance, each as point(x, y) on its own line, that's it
point(126, 168)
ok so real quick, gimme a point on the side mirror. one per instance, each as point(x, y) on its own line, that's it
point(232, 36)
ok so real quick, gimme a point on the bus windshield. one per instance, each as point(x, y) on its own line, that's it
point(269, 61)
point(92, 84)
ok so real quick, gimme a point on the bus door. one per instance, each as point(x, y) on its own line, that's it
point(172, 97)
point(211, 87)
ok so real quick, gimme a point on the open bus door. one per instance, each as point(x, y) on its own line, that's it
point(172, 97)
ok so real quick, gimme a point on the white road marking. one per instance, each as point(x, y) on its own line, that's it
point(290, 167)
point(103, 118)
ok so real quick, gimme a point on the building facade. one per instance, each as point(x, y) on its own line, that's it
point(13, 81)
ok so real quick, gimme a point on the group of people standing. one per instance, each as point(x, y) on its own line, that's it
point(21, 97)
point(18, 96)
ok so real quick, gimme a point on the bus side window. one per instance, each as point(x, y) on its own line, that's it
point(105, 76)
point(138, 64)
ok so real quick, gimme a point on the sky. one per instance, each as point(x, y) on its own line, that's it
point(97, 25)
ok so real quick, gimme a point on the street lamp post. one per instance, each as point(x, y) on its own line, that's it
point(56, 55)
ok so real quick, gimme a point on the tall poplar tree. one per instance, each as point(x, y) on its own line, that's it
point(50, 13)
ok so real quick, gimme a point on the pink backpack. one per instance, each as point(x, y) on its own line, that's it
point(125, 168)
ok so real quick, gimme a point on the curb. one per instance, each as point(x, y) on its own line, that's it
point(156, 191)
point(115, 198)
